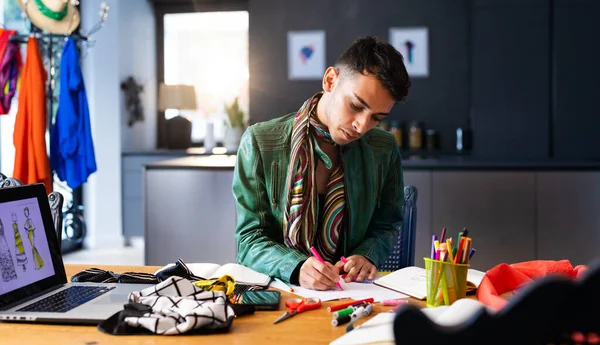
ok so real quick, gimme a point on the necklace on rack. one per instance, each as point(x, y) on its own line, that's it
point(56, 15)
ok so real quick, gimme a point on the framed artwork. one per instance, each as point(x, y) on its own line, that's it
point(306, 55)
point(413, 44)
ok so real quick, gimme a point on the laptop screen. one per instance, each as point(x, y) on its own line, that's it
point(24, 252)
point(30, 258)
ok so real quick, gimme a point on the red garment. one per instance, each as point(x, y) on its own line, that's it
point(4, 39)
point(506, 278)
point(31, 158)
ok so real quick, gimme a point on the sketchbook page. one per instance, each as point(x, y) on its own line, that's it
point(242, 274)
point(203, 270)
point(412, 280)
point(408, 280)
point(475, 276)
point(378, 330)
point(351, 290)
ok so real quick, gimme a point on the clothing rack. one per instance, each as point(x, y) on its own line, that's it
point(74, 227)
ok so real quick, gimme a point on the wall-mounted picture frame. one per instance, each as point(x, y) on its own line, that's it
point(413, 44)
point(306, 55)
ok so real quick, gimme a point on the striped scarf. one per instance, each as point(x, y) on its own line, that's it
point(300, 216)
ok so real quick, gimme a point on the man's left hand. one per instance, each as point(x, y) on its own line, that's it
point(357, 266)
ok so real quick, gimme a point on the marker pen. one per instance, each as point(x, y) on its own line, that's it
point(393, 302)
point(358, 313)
point(343, 312)
point(341, 320)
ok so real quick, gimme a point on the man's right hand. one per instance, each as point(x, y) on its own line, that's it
point(316, 275)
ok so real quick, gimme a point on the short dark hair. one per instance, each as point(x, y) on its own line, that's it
point(371, 55)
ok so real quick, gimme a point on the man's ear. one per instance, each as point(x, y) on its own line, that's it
point(330, 79)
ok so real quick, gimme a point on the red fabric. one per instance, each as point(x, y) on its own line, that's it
point(507, 278)
point(4, 38)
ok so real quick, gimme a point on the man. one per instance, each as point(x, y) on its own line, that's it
point(324, 177)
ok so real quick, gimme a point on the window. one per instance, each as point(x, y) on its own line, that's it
point(208, 50)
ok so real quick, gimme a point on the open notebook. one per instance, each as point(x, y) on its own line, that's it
point(380, 329)
point(241, 274)
point(412, 281)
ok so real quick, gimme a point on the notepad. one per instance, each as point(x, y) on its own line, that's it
point(412, 281)
point(241, 274)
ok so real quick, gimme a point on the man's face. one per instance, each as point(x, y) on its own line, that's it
point(356, 104)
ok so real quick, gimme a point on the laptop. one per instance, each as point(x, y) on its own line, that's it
point(33, 281)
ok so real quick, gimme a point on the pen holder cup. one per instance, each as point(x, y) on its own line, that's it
point(446, 282)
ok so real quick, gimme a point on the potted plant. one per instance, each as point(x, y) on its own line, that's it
point(236, 124)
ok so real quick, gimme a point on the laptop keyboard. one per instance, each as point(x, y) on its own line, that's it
point(67, 299)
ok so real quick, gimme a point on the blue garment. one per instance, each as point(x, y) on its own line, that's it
point(71, 145)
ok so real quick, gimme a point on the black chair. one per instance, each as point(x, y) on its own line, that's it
point(54, 198)
point(403, 252)
point(547, 311)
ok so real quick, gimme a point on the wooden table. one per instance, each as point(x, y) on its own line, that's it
point(310, 328)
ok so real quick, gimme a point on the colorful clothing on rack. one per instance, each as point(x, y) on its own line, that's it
point(71, 145)
point(31, 159)
point(10, 69)
point(5, 39)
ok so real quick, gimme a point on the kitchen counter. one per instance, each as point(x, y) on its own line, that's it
point(447, 163)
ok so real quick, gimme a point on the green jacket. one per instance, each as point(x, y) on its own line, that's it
point(374, 197)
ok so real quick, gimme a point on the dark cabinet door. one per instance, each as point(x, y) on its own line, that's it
point(568, 220)
point(498, 208)
point(576, 29)
point(510, 96)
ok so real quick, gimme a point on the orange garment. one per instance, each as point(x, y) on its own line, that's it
point(506, 278)
point(31, 158)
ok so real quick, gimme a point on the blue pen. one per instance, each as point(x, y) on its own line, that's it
point(472, 253)
point(433, 239)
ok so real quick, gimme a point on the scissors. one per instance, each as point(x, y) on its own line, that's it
point(298, 305)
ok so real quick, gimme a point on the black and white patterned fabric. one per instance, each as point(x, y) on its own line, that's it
point(178, 269)
point(96, 275)
point(174, 306)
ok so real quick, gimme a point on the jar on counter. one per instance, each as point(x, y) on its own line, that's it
point(415, 139)
point(431, 141)
point(397, 132)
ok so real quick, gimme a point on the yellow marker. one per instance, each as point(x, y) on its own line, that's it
point(449, 248)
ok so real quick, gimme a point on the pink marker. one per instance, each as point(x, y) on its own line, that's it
point(394, 302)
point(316, 254)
